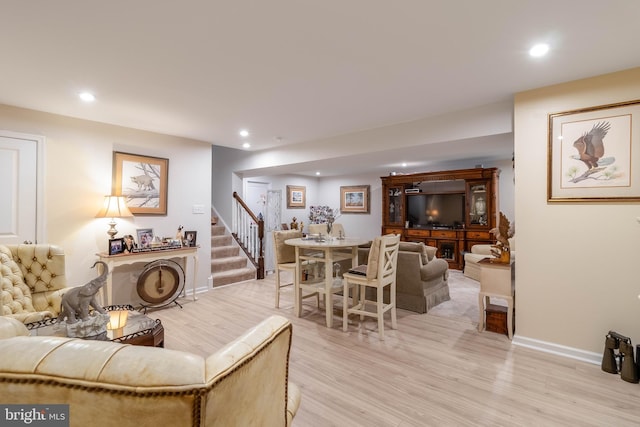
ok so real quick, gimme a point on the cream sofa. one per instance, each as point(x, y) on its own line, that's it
point(107, 384)
point(480, 252)
point(421, 278)
point(32, 281)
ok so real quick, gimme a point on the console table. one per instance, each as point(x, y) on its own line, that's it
point(114, 261)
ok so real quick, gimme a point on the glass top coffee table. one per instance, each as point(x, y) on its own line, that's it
point(139, 330)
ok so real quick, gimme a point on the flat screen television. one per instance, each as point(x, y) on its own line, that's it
point(436, 210)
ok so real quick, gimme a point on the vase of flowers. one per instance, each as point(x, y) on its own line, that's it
point(323, 215)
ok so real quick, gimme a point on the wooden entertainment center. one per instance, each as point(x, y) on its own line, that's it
point(451, 210)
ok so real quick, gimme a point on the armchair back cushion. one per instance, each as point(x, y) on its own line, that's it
point(33, 281)
point(285, 253)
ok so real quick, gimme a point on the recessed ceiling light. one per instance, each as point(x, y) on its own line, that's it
point(87, 96)
point(538, 50)
point(404, 165)
point(246, 145)
point(317, 173)
point(244, 133)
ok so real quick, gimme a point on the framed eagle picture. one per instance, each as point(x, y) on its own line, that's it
point(590, 155)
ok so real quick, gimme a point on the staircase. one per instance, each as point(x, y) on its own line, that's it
point(228, 264)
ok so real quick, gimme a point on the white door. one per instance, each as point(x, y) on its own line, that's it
point(20, 212)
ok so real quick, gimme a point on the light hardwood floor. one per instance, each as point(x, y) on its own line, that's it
point(431, 371)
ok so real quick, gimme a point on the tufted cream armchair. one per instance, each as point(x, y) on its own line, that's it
point(32, 279)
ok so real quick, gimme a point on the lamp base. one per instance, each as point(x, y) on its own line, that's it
point(112, 231)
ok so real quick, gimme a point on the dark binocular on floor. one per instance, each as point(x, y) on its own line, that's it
point(618, 357)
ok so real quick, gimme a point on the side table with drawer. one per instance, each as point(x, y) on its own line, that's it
point(496, 280)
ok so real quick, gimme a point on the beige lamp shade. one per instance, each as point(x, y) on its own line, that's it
point(114, 207)
point(117, 321)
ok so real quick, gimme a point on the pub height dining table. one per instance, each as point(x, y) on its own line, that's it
point(326, 250)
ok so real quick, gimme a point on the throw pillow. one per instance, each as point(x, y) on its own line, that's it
point(416, 247)
point(372, 262)
point(430, 251)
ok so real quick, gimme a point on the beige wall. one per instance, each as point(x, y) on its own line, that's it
point(577, 262)
point(77, 168)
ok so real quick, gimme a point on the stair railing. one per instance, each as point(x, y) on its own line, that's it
point(248, 230)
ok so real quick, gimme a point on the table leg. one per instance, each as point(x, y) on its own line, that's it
point(107, 289)
point(328, 284)
point(510, 317)
point(297, 300)
point(481, 310)
point(194, 274)
point(354, 264)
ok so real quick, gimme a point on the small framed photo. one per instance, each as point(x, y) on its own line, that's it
point(116, 246)
point(190, 238)
point(129, 244)
point(145, 237)
point(354, 199)
point(296, 197)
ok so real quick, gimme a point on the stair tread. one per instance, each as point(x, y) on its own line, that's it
point(228, 263)
point(221, 250)
point(234, 271)
point(227, 259)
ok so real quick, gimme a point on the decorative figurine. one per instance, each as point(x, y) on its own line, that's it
point(77, 301)
point(501, 250)
point(179, 235)
point(294, 224)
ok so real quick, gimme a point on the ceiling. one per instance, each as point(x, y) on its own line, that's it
point(295, 71)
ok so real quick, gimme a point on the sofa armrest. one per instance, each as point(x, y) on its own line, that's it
point(436, 267)
point(50, 301)
point(254, 371)
point(481, 249)
point(10, 327)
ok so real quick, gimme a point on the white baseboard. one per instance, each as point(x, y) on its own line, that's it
point(560, 350)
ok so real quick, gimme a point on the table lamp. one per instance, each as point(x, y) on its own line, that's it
point(114, 207)
point(117, 322)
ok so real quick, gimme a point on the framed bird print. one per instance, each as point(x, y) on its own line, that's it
point(594, 155)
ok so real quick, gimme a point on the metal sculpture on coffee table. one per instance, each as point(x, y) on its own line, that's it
point(77, 302)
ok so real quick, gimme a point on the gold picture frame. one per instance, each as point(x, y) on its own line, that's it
point(354, 199)
point(590, 155)
point(142, 180)
point(296, 197)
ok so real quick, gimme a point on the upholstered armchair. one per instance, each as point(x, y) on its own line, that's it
point(480, 252)
point(422, 278)
point(32, 281)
